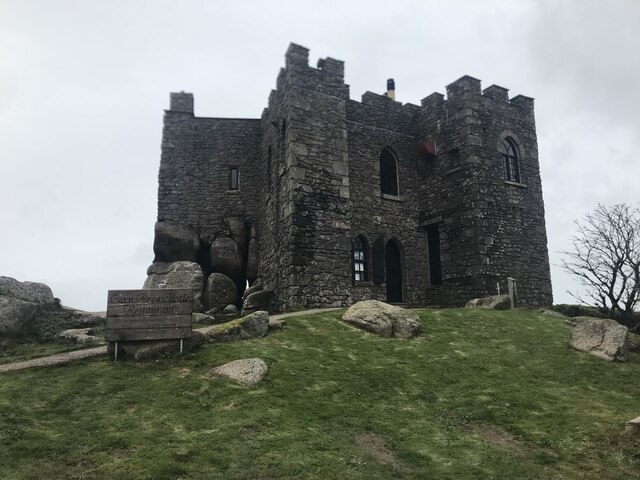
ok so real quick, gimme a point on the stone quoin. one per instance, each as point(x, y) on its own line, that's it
point(326, 201)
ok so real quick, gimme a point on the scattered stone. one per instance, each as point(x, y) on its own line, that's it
point(175, 243)
point(78, 335)
point(177, 275)
point(147, 349)
point(254, 325)
point(276, 325)
point(203, 318)
point(219, 292)
point(494, 302)
point(383, 319)
point(230, 309)
point(602, 338)
point(634, 342)
point(246, 372)
point(255, 301)
point(633, 426)
point(82, 319)
point(32, 292)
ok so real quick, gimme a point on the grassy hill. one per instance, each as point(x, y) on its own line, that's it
point(482, 394)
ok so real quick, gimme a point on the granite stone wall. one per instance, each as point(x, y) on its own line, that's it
point(310, 183)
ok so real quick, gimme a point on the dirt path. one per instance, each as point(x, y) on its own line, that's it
point(55, 359)
point(98, 351)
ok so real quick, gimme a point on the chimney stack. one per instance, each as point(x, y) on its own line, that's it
point(391, 89)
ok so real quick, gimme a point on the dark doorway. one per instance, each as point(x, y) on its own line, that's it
point(393, 264)
point(435, 266)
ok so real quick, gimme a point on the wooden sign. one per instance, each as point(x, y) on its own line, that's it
point(148, 314)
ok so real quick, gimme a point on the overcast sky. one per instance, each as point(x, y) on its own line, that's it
point(83, 85)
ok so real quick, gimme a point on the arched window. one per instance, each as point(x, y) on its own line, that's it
point(388, 173)
point(360, 260)
point(509, 154)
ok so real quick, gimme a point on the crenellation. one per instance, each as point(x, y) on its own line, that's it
point(497, 93)
point(310, 180)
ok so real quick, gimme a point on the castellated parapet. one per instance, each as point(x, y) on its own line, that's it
point(331, 201)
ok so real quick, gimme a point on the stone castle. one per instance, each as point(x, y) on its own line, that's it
point(326, 201)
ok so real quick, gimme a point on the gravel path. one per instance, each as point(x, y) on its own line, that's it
point(98, 351)
point(55, 359)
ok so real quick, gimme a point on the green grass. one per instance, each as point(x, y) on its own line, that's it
point(495, 395)
point(17, 351)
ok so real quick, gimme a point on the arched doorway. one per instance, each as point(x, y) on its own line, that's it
point(393, 272)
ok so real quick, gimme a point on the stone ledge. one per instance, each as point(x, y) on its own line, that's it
point(515, 184)
point(393, 198)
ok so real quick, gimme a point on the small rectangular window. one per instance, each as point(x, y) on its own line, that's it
point(454, 158)
point(233, 178)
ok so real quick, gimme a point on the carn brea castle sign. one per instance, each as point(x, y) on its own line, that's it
point(134, 315)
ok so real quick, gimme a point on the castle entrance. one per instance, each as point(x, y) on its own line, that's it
point(393, 272)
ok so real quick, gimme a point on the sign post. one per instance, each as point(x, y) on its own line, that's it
point(161, 314)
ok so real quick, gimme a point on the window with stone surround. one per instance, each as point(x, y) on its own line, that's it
point(454, 158)
point(509, 154)
point(360, 260)
point(234, 178)
point(388, 173)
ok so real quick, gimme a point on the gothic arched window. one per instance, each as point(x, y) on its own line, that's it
point(388, 173)
point(360, 260)
point(509, 154)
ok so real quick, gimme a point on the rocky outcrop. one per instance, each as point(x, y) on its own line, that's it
point(21, 304)
point(602, 338)
point(226, 257)
point(177, 275)
point(276, 325)
point(82, 319)
point(255, 287)
point(16, 314)
point(255, 301)
point(254, 325)
point(383, 319)
point(33, 292)
point(175, 243)
point(246, 372)
point(219, 292)
point(78, 335)
point(494, 302)
point(230, 309)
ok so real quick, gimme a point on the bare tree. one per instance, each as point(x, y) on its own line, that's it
point(606, 259)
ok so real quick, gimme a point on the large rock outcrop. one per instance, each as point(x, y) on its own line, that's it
point(494, 302)
point(225, 257)
point(383, 319)
point(175, 243)
point(28, 291)
point(21, 304)
point(260, 300)
point(602, 338)
point(254, 325)
point(177, 275)
point(220, 291)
